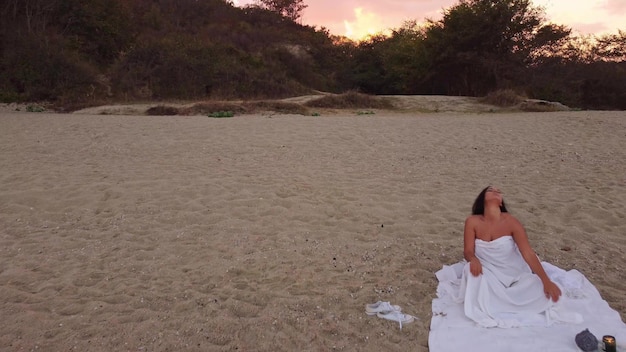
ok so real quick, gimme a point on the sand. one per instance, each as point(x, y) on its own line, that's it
point(137, 233)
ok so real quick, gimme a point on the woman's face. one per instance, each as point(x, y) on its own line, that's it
point(493, 193)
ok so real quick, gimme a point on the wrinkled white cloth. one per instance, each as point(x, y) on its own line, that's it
point(506, 309)
point(507, 293)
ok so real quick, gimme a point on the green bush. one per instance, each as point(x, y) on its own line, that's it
point(221, 114)
point(35, 108)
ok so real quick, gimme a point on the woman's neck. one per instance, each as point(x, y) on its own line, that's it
point(492, 212)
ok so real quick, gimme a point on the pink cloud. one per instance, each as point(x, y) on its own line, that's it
point(587, 28)
point(391, 14)
point(393, 9)
point(615, 6)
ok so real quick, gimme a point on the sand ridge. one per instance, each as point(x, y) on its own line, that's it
point(190, 233)
point(401, 104)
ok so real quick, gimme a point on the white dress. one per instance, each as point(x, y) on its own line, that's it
point(507, 293)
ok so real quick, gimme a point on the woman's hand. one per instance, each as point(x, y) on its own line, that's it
point(476, 268)
point(551, 290)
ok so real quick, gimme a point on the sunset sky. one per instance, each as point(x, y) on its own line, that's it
point(358, 18)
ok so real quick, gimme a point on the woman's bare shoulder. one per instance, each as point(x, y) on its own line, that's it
point(473, 219)
point(511, 219)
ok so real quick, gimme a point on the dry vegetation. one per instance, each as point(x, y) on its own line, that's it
point(163, 110)
point(503, 98)
point(349, 100)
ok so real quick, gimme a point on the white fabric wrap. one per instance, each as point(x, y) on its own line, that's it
point(507, 294)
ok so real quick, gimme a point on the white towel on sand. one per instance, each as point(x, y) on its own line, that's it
point(508, 309)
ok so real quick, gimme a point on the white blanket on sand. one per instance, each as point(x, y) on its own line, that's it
point(505, 307)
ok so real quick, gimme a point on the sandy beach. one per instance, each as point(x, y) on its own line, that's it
point(257, 233)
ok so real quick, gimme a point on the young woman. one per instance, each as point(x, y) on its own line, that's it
point(503, 283)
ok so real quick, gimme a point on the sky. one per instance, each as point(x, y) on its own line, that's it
point(357, 19)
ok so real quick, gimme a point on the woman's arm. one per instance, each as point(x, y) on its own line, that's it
point(469, 244)
point(551, 290)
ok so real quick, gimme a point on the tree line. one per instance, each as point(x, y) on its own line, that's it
point(85, 52)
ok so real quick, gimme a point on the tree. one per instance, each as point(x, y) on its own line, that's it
point(34, 14)
point(291, 9)
point(405, 58)
point(99, 30)
point(390, 64)
point(611, 47)
point(483, 45)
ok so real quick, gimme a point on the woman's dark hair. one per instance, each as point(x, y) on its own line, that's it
point(479, 204)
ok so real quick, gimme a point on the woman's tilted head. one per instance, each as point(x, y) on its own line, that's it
point(489, 194)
